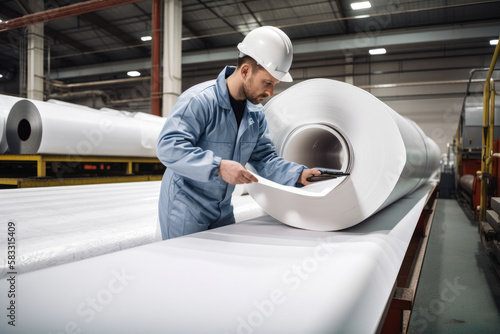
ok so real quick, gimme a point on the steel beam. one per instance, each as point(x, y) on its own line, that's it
point(345, 43)
point(61, 12)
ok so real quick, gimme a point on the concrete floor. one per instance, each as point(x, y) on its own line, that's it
point(459, 290)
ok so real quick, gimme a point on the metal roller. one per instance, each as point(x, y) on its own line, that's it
point(466, 181)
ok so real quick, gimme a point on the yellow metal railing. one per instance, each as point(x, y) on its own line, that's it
point(488, 134)
point(42, 160)
point(131, 164)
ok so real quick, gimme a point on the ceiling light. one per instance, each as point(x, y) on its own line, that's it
point(134, 73)
point(361, 16)
point(361, 5)
point(380, 51)
point(494, 42)
point(1, 75)
point(146, 38)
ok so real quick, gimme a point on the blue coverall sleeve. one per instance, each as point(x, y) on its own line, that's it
point(177, 144)
point(269, 164)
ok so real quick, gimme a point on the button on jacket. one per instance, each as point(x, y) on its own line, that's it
point(199, 132)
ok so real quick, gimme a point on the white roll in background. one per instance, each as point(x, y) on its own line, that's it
point(6, 103)
point(149, 139)
point(69, 104)
point(124, 113)
point(135, 114)
point(36, 127)
point(331, 124)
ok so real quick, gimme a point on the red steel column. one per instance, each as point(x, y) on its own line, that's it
point(155, 59)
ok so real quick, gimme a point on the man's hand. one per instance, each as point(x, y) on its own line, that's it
point(235, 173)
point(307, 173)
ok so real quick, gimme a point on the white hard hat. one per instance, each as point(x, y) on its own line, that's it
point(271, 48)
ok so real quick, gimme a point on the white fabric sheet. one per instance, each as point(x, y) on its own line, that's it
point(258, 276)
point(342, 127)
point(58, 225)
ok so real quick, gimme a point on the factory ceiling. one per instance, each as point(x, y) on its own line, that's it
point(103, 44)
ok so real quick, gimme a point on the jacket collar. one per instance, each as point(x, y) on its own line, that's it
point(223, 93)
point(253, 107)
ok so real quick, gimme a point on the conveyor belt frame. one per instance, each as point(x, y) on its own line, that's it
point(399, 309)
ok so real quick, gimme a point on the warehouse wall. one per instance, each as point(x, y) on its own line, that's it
point(432, 103)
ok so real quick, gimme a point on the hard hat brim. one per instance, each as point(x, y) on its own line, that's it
point(281, 76)
point(287, 78)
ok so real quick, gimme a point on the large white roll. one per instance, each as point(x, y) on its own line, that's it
point(331, 124)
point(136, 114)
point(148, 139)
point(36, 127)
point(71, 105)
point(6, 103)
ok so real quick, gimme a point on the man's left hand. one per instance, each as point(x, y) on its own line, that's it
point(307, 173)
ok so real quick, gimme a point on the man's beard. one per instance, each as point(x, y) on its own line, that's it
point(251, 96)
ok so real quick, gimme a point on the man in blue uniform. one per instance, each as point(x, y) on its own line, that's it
point(214, 129)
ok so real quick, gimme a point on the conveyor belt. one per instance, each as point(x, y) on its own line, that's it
point(258, 276)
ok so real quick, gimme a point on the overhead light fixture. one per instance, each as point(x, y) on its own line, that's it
point(1, 75)
point(361, 16)
point(494, 42)
point(134, 73)
point(146, 38)
point(361, 5)
point(380, 51)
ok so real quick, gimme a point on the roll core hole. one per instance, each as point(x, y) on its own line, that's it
point(317, 146)
point(24, 129)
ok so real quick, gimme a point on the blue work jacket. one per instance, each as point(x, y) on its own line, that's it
point(199, 132)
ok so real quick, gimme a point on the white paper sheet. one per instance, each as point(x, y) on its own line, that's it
point(327, 123)
point(258, 276)
point(57, 225)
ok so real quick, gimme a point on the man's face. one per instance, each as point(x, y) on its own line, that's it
point(259, 85)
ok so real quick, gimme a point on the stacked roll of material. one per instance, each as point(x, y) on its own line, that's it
point(6, 103)
point(36, 127)
point(331, 124)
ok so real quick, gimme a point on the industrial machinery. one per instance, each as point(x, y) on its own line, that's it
point(468, 143)
point(478, 168)
point(447, 184)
